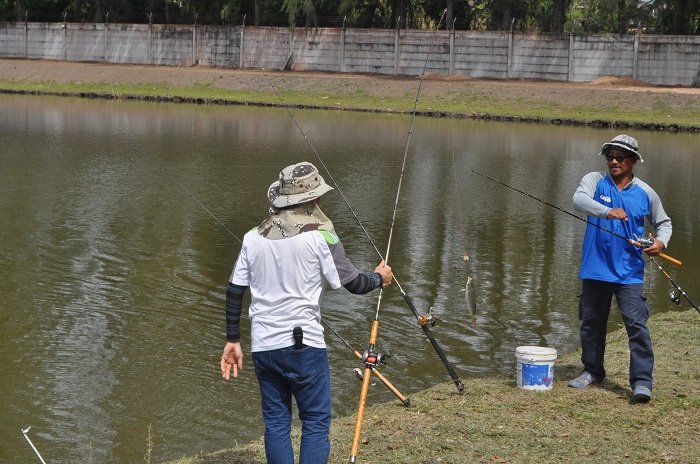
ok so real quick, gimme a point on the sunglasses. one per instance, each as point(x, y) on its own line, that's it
point(618, 158)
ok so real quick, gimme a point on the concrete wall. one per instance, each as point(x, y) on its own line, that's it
point(661, 60)
point(370, 51)
point(481, 54)
point(669, 60)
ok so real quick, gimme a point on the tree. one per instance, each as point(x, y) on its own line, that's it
point(559, 8)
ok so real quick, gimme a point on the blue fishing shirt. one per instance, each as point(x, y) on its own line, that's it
point(604, 256)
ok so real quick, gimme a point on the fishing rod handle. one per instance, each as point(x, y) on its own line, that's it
point(670, 260)
point(360, 414)
point(405, 400)
point(660, 255)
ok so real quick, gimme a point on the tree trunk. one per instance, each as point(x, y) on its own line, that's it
point(258, 12)
point(399, 13)
point(449, 17)
point(507, 17)
point(19, 11)
point(680, 24)
point(558, 16)
point(621, 17)
point(99, 17)
point(367, 16)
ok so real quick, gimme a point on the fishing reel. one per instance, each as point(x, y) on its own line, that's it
point(427, 319)
point(645, 242)
point(372, 358)
point(675, 297)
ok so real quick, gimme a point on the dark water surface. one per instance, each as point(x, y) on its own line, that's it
point(112, 277)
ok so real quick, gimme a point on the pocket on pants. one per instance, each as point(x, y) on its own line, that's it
point(302, 364)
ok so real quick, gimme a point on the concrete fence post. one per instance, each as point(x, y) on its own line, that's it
point(341, 52)
point(509, 70)
point(450, 71)
point(65, 37)
point(194, 41)
point(106, 42)
point(570, 70)
point(242, 48)
point(150, 38)
point(396, 46)
point(26, 33)
point(636, 54)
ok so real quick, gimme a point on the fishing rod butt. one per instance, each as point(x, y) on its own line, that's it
point(670, 260)
point(360, 413)
point(405, 400)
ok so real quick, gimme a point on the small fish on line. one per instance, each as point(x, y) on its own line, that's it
point(470, 297)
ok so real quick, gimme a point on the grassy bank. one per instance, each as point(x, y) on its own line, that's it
point(494, 421)
point(609, 102)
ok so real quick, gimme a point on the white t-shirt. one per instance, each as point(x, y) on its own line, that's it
point(287, 278)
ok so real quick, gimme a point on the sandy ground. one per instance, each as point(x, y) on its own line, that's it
point(603, 92)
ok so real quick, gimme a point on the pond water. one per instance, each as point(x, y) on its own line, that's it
point(114, 261)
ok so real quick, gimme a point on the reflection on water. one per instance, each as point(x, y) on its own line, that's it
point(112, 277)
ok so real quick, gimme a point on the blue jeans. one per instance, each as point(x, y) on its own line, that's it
point(305, 375)
point(594, 309)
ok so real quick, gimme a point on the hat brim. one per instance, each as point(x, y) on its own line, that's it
point(279, 200)
point(606, 148)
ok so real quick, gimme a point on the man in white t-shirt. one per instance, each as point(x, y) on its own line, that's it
point(287, 262)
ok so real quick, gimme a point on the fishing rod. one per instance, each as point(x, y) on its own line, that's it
point(405, 400)
point(638, 242)
point(24, 432)
point(422, 320)
point(371, 356)
point(675, 297)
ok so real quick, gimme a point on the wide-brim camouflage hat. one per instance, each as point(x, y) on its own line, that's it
point(624, 142)
point(297, 184)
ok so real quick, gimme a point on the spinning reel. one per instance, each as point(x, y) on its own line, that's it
point(675, 297)
point(645, 242)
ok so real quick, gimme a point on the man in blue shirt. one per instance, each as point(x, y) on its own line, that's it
point(617, 201)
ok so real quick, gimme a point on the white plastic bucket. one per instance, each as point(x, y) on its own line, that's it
point(535, 367)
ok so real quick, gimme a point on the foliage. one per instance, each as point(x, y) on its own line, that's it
point(587, 16)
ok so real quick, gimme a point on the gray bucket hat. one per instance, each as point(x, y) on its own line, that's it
point(624, 142)
point(297, 183)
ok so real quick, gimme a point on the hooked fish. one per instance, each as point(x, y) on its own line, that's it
point(470, 297)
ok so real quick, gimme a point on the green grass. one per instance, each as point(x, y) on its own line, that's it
point(460, 101)
point(494, 421)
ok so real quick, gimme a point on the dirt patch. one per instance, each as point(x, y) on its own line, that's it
point(249, 79)
point(620, 82)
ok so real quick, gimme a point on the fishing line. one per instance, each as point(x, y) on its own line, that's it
point(459, 203)
point(200, 204)
point(469, 291)
point(628, 240)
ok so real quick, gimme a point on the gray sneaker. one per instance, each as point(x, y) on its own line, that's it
point(641, 394)
point(583, 380)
